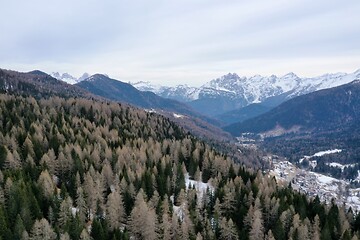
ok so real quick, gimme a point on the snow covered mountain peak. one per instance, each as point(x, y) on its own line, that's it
point(290, 75)
point(66, 77)
point(83, 77)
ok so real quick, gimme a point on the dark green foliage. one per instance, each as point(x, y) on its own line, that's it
point(98, 231)
point(19, 228)
point(179, 183)
point(3, 154)
point(278, 231)
point(5, 232)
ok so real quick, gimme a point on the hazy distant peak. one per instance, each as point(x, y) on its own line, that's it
point(56, 75)
point(290, 75)
point(84, 76)
point(68, 78)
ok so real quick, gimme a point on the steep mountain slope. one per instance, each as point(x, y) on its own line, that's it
point(37, 84)
point(325, 110)
point(232, 92)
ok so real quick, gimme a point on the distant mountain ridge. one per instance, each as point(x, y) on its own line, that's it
point(183, 93)
point(231, 91)
point(328, 110)
point(38, 84)
point(66, 77)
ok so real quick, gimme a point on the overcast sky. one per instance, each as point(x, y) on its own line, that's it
point(187, 41)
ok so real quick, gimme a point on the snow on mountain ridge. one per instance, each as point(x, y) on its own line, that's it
point(181, 92)
point(147, 86)
point(254, 89)
point(66, 77)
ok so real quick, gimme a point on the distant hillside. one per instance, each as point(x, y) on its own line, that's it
point(37, 84)
point(112, 89)
point(330, 109)
point(116, 90)
point(243, 114)
point(317, 122)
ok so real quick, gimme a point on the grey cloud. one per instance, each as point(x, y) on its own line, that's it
point(147, 39)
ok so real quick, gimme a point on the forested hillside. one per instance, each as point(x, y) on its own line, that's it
point(83, 169)
point(38, 84)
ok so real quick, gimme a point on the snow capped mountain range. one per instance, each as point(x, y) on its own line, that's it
point(182, 93)
point(253, 89)
point(65, 77)
point(232, 92)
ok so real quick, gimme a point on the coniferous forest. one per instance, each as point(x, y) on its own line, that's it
point(83, 169)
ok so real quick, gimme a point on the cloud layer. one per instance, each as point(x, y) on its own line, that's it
point(171, 42)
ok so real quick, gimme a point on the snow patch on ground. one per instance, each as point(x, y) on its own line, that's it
point(74, 211)
point(341, 166)
point(179, 211)
point(354, 197)
point(324, 179)
point(150, 110)
point(178, 115)
point(200, 187)
point(320, 154)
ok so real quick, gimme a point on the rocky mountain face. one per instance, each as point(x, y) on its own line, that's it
point(231, 91)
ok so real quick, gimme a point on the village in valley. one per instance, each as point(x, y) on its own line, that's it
point(315, 184)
